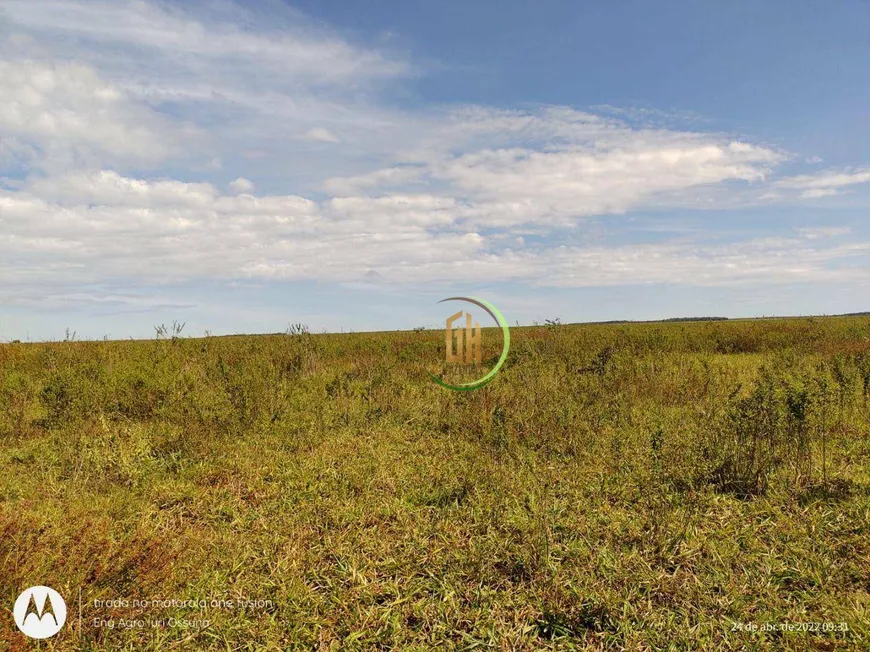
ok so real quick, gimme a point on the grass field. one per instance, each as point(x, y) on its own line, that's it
point(625, 486)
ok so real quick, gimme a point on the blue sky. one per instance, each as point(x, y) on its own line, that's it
point(243, 166)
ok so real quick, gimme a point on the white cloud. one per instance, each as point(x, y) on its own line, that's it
point(321, 135)
point(557, 165)
point(168, 231)
point(96, 92)
point(824, 232)
point(817, 193)
point(288, 47)
point(824, 184)
point(110, 189)
point(242, 185)
point(528, 186)
point(379, 179)
point(65, 114)
point(254, 78)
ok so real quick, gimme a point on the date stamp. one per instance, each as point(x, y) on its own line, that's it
point(789, 627)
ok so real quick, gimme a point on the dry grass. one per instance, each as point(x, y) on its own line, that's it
point(617, 487)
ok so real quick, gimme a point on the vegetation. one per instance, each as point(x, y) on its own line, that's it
point(624, 486)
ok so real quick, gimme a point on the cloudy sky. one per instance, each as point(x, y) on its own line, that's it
point(243, 166)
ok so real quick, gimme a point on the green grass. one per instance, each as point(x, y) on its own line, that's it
point(624, 486)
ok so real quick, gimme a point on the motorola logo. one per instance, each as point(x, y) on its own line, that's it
point(39, 612)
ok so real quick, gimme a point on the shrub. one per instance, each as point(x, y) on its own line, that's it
point(760, 432)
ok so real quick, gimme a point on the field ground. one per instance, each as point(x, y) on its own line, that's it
point(626, 486)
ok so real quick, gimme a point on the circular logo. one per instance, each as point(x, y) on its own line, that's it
point(470, 337)
point(39, 612)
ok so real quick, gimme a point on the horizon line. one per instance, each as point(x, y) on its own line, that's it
point(553, 323)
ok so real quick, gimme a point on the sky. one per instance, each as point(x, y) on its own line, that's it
point(243, 166)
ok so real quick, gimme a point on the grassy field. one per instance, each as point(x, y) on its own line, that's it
point(627, 486)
